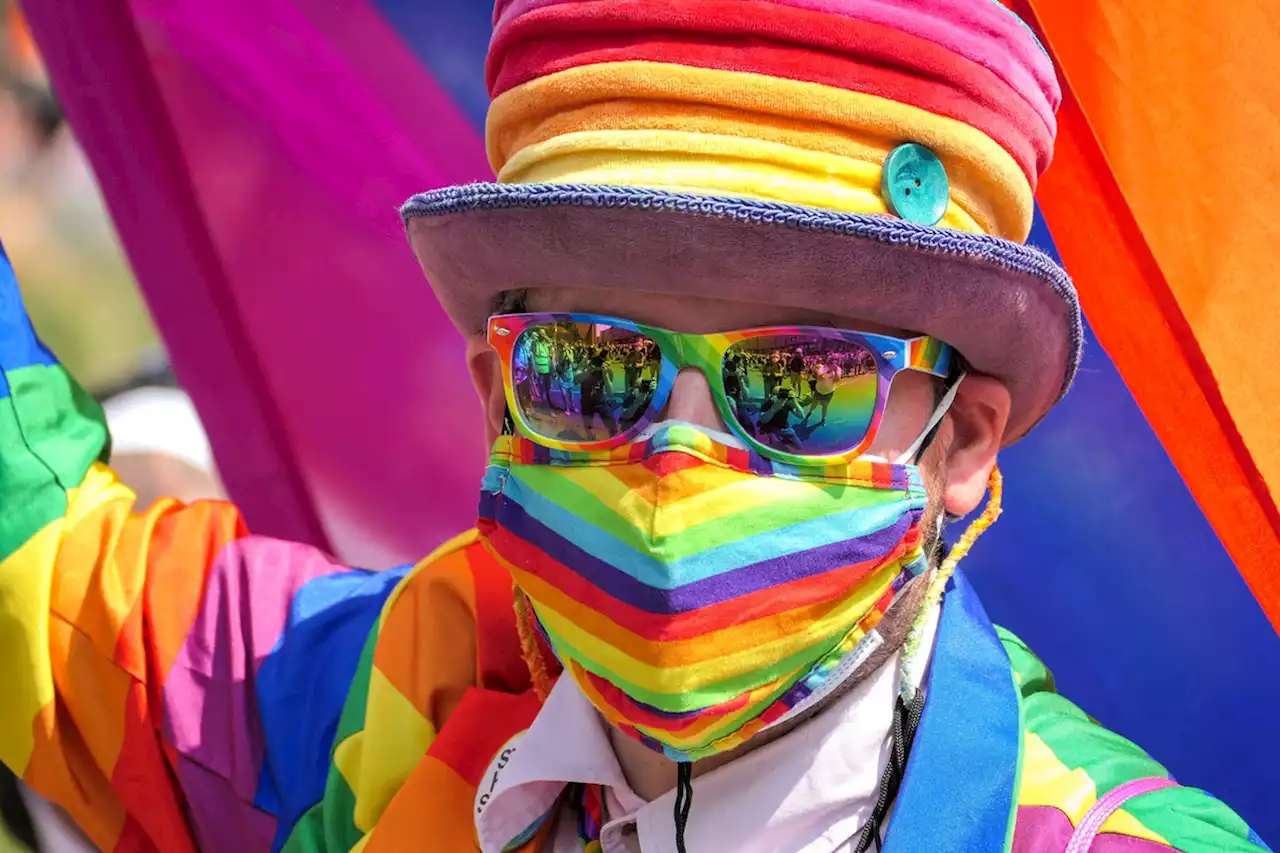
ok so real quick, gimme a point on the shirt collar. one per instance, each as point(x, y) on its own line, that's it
point(567, 743)
point(809, 791)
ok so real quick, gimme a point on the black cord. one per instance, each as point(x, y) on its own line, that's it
point(684, 800)
point(905, 722)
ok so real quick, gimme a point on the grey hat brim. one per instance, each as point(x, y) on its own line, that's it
point(1007, 308)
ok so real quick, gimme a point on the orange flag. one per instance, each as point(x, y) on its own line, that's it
point(1163, 203)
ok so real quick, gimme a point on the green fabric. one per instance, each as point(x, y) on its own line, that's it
point(542, 356)
point(51, 431)
point(1189, 819)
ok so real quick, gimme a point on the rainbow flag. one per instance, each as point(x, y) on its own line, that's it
point(177, 684)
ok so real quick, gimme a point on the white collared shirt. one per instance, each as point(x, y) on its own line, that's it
point(810, 791)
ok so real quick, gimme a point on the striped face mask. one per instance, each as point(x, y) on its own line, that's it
point(696, 591)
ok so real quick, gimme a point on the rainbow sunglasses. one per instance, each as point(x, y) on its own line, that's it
point(796, 394)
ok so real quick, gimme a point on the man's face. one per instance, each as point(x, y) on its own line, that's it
point(956, 465)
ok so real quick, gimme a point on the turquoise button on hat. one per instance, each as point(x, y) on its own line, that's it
point(914, 184)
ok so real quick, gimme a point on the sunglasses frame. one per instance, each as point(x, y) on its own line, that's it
point(706, 352)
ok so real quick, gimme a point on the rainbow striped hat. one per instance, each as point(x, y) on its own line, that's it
point(868, 158)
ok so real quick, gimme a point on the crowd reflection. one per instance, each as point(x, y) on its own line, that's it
point(581, 381)
point(589, 382)
point(781, 388)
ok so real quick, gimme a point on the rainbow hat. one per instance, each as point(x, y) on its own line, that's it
point(869, 158)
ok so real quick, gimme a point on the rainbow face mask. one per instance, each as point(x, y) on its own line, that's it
point(695, 591)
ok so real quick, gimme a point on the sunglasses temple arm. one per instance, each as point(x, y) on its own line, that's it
point(939, 412)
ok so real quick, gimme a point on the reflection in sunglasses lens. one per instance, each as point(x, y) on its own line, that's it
point(805, 393)
point(584, 381)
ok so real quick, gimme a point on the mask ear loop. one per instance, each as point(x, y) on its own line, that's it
point(926, 435)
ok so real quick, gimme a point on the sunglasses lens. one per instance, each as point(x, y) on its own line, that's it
point(583, 382)
point(805, 393)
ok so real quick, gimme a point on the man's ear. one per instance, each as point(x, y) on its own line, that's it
point(976, 425)
point(486, 376)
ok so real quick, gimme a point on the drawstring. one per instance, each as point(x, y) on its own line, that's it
point(938, 583)
point(684, 799)
point(905, 722)
point(906, 719)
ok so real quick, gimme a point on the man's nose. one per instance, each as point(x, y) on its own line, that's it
point(691, 401)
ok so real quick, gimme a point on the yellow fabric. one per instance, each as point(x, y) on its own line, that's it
point(715, 165)
point(24, 624)
point(985, 180)
point(1046, 781)
point(385, 764)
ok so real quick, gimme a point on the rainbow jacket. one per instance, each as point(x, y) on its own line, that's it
point(177, 684)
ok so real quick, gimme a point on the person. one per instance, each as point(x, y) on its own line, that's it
point(772, 374)
point(636, 402)
point(796, 368)
point(594, 387)
point(677, 638)
point(733, 385)
point(158, 444)
point(566, 376)
point(634, 360)
point(542, 364)
point(775, 420)
point(824, 381)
